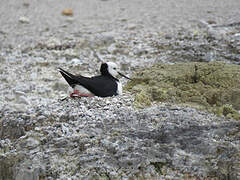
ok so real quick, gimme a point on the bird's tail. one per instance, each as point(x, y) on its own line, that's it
point(70, 78)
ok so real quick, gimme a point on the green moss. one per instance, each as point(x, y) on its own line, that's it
point(208, 85)
point(142, 99)
point(228, 111)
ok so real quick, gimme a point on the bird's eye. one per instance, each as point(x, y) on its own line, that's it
point(114, 68)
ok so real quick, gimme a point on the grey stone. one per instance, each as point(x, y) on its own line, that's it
point(22, 100)
point(30, 143)
point(28, 174)
point(11, 128)
point(24, 19)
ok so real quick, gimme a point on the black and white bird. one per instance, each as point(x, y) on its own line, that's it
point(103, 85)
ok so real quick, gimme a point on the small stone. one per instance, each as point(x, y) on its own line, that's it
point(70, 53)
point(30, 143)
point(140, 51)
point(125, 66)
point(60, 86)
point(106, 38)
point(9, 97)
point(123, 19)
point(37, 129)
point(28, 173)
point(11, 129)
point(132, 26)
point(18, 107)
point(41, 118)
point(51, 44)
point(76, 61)
point(112, 49)
point(211, 22)
point(67, 12)
point(22, 100)
point(70, 19)
point(24, 20)
point(19, 93)
point(26, 4)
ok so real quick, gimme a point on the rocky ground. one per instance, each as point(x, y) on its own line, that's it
point(45, 137)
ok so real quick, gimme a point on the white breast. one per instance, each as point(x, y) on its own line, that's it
point(119, 88)
point(82, 90)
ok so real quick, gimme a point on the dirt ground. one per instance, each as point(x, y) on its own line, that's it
point(44, 18)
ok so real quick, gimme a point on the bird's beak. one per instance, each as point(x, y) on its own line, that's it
point(124, 76)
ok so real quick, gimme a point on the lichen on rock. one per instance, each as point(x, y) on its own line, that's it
point(209, 86)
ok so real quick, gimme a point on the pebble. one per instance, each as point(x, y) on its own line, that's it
point(131, 26)
point(24, 20)
point(60, 86)
point(26, 4)
point(30, 143)
point(112, 49)
point(107, 38)
point(18, 107)
point(22, 100)
point(19, 93)
point(9, 97)
point(70, 53)
point(67, 12)
point(76, 61)
point(51, 43)
point(125, 66)
point(140, 51)
point(70, 19)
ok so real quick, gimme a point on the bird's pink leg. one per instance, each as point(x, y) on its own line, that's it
point(77, 94)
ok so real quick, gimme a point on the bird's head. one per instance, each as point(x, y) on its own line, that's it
point(112, 69)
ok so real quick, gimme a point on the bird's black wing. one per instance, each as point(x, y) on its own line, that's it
point(102, 86)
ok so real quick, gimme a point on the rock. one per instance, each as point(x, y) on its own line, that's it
point(211, 22)
point(30, 143)
point(24, 20)
point(112, 49)
point(125, 66)
point(106, 38)
point(70, 20)
point(237, 37)
point(51, 43)
point(106, 131)
point(76, 61)
point(28, 174)
point(70, 53)
point(11, 128)
point(67, 12)
point(22, 100)
point(18, 107)
point(6, 165)
point(9, 97)
point(26, 4)
point(140, 51)
point(60, 86)
point(132, 26)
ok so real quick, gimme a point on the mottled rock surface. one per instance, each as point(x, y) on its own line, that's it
point(107, 138)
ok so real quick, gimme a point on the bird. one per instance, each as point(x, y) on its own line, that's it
point(103, 85)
